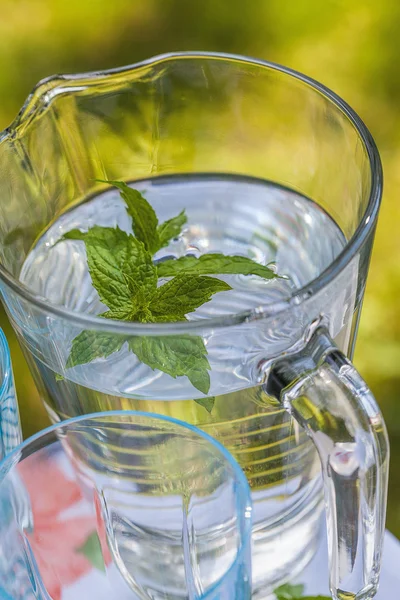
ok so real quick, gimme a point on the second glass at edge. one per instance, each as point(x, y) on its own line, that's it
point(124, 506)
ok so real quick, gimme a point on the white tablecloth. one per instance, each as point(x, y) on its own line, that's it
point(314, 577)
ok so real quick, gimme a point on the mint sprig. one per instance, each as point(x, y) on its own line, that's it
point(295, 592)
point(126, 278)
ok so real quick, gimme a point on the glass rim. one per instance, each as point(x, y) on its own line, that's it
point(296, 297)
point(12, 459)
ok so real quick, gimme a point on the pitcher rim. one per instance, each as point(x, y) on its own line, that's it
point(296, 297)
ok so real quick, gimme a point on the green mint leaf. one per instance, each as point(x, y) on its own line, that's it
point(111, 238)
point(74, 234)
point(166, 318)
point(175, 355)
point(121, 269)
point(106, 251)
point(139, 271)
point(91, 549)
point(108, 278)
point(295, 592)
point(184, 293)
point(170, 229)
point(144, 219)
point(289, 592)
point(214, 264)
point(199, 376)
point(207, 403)
point(304, 597)
point(123, 314)
point(89, 345)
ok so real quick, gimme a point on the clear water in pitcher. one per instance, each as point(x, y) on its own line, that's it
point(232, 215)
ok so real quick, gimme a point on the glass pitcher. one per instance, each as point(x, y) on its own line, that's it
point(269, 165)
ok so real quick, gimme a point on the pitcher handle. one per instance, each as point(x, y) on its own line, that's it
point(10, 426)
point(323, 391)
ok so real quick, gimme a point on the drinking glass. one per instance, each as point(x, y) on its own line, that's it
point(10, 427)
point(124, 505)
point(268, 164)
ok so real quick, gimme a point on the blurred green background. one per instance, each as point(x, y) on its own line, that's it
point(352, 47)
